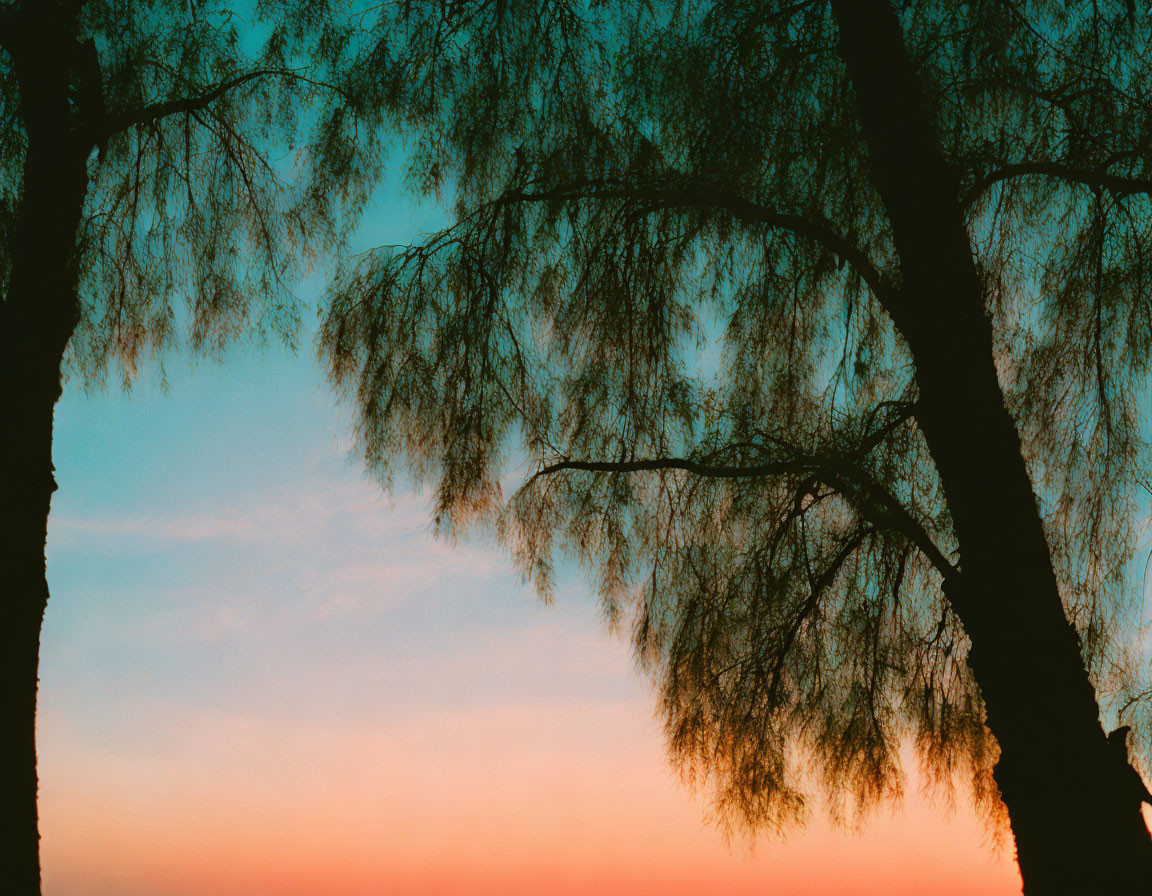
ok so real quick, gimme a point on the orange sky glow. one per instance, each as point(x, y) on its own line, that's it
point(261, 677)
point(491, 801)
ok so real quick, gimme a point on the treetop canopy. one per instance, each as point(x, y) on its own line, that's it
point(639, 187)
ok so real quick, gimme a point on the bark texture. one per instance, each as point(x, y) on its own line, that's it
point(1076, 829)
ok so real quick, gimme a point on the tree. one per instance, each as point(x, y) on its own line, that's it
point(822, 328)
point(152, 195)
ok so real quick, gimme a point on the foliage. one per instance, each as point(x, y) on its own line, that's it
point(226, 154)
point(661, 295)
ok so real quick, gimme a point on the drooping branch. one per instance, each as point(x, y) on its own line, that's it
point(818, 587)
point(872, 501)
point(713, 196)
point(1096, 178)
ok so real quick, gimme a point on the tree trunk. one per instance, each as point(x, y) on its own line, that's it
point(1076, 830)
point(25, 597)
point(37, 318)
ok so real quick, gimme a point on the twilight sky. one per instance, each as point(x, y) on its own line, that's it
point(262, 676)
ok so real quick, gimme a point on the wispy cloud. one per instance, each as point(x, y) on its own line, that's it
point(329, 550)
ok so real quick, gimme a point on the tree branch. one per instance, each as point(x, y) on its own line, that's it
point(1097, 178)
point(154, 112)
point(711, 196)
point(884, 511)
point(872, 501)
point(906, 410)
point(720, 471)
point(817, 588)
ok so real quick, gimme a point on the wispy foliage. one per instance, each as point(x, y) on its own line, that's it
point(228, 154)
point(663, 289)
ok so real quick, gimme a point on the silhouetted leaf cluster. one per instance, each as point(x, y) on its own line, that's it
point(659, 299)
point(231, 152)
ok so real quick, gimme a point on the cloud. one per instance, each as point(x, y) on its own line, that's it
point(325, 551)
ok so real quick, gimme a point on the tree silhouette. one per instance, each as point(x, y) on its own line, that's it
point(822, 329)
point(151, 196)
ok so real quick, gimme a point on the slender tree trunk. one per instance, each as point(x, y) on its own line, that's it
point(1075, 829)
point(27, 487)
point(37, 318)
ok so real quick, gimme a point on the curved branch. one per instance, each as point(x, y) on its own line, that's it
point(872, 501)
point(883, 510)
point(154, 112)
point(721, 471)
point(1096, 178)
point(711, 196)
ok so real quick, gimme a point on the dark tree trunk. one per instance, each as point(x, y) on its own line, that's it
point(37, 318)
point(1076, 829)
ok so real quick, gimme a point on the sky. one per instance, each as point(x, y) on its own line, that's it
point(261, 675)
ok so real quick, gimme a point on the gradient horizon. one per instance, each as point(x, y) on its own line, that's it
point(260, 675)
